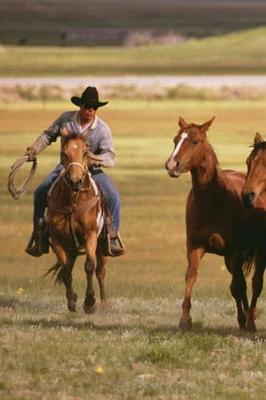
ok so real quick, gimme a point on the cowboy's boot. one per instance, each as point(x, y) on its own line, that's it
point(39, 241)
point(112, 242)
point(116, 246)
point(33, 248)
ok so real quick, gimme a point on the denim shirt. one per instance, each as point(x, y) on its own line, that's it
point(99, 136)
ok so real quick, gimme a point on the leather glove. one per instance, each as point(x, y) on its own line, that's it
point(31, 153)
point(94, 160)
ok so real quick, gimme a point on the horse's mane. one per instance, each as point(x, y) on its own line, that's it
point(259, 146)
point(75, 135)
point(71, 135)
point(214, 154)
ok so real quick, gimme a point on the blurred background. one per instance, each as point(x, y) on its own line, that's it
point(153, 60)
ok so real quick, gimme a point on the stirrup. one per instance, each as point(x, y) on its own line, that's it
point(37, 246)
point(33, 247)
point(119, 249)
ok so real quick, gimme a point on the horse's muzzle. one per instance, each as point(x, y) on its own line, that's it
point(76, 185)
point(173, 173)
point(248, 199)
point(172, 169)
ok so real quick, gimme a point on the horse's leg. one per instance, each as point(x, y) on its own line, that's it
point(194, 256)
point(257, 285)
point(89, 266)
point(100, 273)
point(65, 274)
point(238, 287)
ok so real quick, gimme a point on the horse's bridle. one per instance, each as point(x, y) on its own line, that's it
point(82, 167)
point(78, 164)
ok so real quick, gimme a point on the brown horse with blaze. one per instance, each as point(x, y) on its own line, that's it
point(216, 220)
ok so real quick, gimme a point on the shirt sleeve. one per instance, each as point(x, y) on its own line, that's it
point(48, 136)
point(106, 147)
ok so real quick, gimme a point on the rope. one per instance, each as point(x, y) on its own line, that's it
point(19, 191)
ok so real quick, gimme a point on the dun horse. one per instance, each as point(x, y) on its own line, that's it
point(216, 220)
point(254, 196)
point(75, 215)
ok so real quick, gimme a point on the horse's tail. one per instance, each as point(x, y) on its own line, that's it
point(249, 260)
point(57, 272)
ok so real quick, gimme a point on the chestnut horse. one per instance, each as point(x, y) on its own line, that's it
point(74, 214)
point(216, 220)
point(254, 196)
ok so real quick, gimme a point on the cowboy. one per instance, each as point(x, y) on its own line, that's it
point(100, 143)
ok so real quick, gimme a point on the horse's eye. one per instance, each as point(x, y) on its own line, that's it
point(195, 141)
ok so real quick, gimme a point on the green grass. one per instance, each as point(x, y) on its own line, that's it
point(241, 52)
point(132, 349)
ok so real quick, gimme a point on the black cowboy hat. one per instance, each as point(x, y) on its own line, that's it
point(89, 97)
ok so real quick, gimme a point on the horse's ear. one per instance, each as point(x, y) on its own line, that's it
point(182, 123)
point(64, 132)
point(258, 138)
point(204, 127)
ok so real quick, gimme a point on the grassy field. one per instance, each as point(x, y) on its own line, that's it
point(133, 349)
point(235, 53)
point(47, 22)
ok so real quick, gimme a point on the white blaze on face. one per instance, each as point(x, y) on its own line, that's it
point(171, 161)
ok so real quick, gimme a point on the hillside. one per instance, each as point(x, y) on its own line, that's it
point(123, 22)
point(240, 52)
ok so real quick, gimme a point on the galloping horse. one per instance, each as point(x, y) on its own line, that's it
point(216, 220)
point(75, 215)
point(254, 196)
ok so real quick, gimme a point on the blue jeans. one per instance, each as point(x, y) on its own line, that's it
point(108, 189)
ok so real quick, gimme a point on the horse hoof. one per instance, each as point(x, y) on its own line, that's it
point(89, 309)
point(71, 307)
point(75, 297)
point(89, 305)
point(242, 326)
point(185, 324)
point(251, 327)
